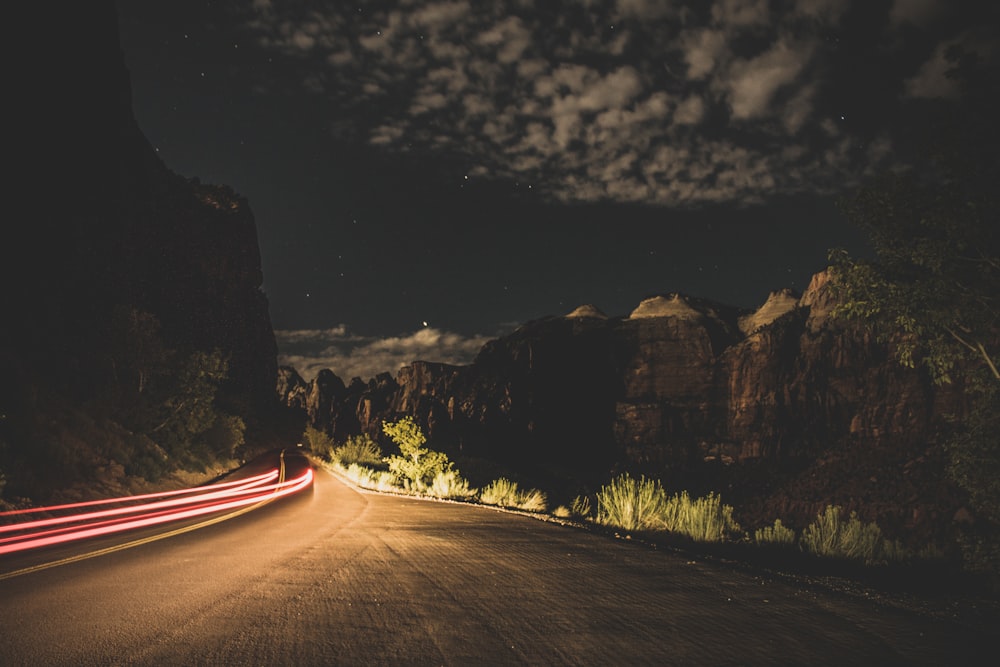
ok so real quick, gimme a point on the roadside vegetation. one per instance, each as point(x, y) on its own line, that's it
point(625, 505)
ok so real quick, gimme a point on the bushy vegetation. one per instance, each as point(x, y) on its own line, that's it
point(506, 493)
point(643, 505)
point(367, 478)
point(776, 534)
point(624, 503)
point(319, 443)
point(449, 484)
point(632, 504)
point(415, 466)
point(832, 535)
point(359, 449)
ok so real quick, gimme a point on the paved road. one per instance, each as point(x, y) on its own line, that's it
point(337, 577)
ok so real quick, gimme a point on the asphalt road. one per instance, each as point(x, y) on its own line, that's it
point(339, 577)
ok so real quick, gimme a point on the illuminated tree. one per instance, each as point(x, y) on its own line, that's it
point(416, 465)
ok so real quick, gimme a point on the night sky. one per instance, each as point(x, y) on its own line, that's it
point(428, 174)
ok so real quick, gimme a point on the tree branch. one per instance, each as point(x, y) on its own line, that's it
point(989, 362)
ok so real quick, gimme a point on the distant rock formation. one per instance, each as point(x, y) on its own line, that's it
point(677, 382)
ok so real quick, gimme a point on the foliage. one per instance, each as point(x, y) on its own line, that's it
point(503, 492)
point(933, 286)
point(319, 443)
point(449, 484)
point(415, 466)
point(777, 534)
point(704, 519)
point(632, 504)
point(360, 449)
point(643, 504)
point(379, 480)
point(831, 535)
point(580, 507)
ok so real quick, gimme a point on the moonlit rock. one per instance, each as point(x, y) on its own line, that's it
point(587, 310)
point(778, 303)
point(673, 305)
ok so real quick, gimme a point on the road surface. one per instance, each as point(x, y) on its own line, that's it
point(338, 577)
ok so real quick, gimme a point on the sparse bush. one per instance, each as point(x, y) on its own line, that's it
point(562, 512)
point(416, 466)
point(832, 536)
point(360, 449)
point(319, 443)
point(777, 534)
point(580, 507)
point(505, 493)
point(632, 504)
point(642, 504)
point(449, 484)
point(379, 480)
point(704, 519)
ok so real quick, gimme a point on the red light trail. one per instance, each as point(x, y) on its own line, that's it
point(145, 510)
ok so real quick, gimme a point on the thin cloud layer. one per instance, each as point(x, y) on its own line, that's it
point(647, 101)
point(349, 355)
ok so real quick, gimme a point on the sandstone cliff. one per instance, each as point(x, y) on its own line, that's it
point(676, 385)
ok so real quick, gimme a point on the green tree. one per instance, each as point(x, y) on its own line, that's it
point(933, 285)
point(415, 465)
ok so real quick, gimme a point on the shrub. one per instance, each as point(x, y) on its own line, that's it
point(449, 484)
point(632, 504)
point(562, 512)
point(776, 535)
point(360, 449)
point(642, 504)
point(319, 443)
point(830, 535)
point(416, 466)
point(580, 507)
point(505, 493)
point(704, 519)
point(379, 480)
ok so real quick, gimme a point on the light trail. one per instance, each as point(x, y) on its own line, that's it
point(204, 493)
point(198, 501)
point(146, 496)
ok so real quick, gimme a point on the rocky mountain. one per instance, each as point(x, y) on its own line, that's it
point(108, 237)
point(783, 407)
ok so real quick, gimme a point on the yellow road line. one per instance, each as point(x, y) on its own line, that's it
point(151, 538)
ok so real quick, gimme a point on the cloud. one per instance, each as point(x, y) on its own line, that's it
point(751, 84)
point(586, 102)
point(349, 355)
point(918, 12)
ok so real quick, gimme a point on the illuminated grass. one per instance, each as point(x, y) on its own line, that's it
point(367, 478)
point(632, 504)
point(505, 493)
point(449, 484)
point(643, 505)
point(833, 536)
point(777, 534)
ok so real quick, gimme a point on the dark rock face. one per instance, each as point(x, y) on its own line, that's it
point(678, 382)
point(104, 225)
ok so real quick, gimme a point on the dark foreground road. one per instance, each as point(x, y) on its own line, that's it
point(337, 577)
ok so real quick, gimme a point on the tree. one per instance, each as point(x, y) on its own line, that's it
point(933, 286)
point(416, 465)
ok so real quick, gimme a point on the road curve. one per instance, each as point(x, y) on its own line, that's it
point(339, 577)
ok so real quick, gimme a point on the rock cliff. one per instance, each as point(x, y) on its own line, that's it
point(677, 385)
point(105, 228)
